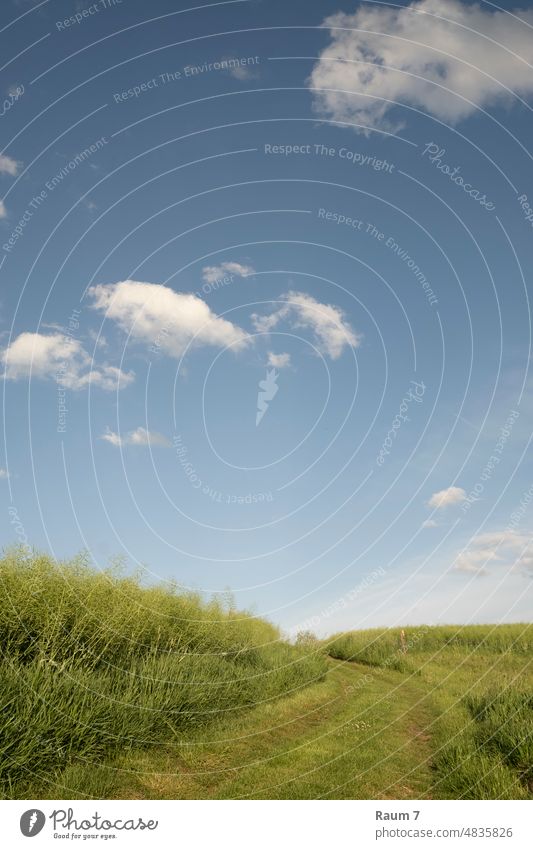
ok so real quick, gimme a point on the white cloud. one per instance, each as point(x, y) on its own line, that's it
point(430, 523)
point(398, 54)
point(331, 330)
point(4, 473)
point(212, 273)
point(9, 166)
point(139, 436)
point(507, 548)
point(112, 437)
point(59, 357)
point(279, 360)
point(447, 497)
point(106, 377)
point(160, 317)
point(3, 210)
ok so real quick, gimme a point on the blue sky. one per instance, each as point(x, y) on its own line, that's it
point(264, 309)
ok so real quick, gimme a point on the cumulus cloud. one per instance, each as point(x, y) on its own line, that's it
point(279, 360)
point(328, 324)
point(447, 497)
point(3, 210)
point(507, 548)
point(9, 166)
point(3, 473)
point(139, 436)
point(435, 55)
point(430, 523)
point(59, 357)
point(164, 319)
point(212, 273)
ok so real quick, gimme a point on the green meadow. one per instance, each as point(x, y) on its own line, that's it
point(111, 689)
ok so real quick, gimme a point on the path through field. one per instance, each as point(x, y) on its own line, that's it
point(360, 734)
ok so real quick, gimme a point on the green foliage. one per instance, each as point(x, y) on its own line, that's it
point(307, 639)
point(482, 736)
point(379, 647)
point(92, 662)
point(489, 752)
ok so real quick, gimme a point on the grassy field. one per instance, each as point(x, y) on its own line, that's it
point(112, 690)
point(93, 664)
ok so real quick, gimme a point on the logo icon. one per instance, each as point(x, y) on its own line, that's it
point(269, 389)
point(32, 822)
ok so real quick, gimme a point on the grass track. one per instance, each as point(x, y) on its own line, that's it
point(109, 689)
point(344, 738)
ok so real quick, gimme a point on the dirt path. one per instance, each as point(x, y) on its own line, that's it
point(358, 734)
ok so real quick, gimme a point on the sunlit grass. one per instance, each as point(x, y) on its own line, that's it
point(93, 662)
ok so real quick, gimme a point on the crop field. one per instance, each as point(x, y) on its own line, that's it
point(110, 689)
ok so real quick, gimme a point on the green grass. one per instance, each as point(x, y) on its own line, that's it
point(480, 680)
point(94, 663)
point(114, 690)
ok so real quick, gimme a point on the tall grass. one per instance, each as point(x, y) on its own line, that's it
point(385, 647)
point(484, 748)
point(93, 662)
point(483, 735)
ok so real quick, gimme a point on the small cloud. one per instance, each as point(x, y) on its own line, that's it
point(447, 497)
point(430, 523)
point(212, 273)
point(56, 356)
point(9, 166)
point(279, 360)
point(328, 323)
point(508, 548)
point(111, 437)
point(3, 210)
point(139, 436)
point(157, 315)
point(4, 473)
